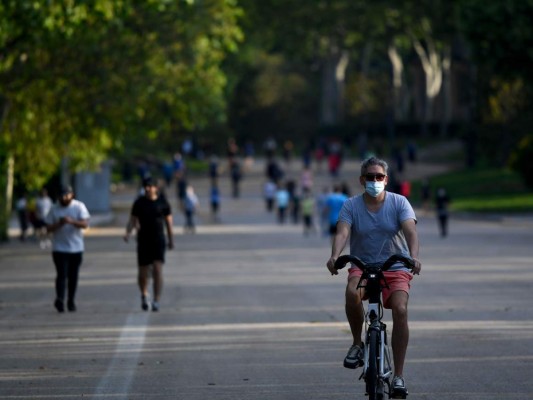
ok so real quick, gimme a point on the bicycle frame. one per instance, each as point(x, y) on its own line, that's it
point(377, 364)
point(379, 382)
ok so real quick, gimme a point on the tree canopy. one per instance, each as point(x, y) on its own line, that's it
point(79, 78)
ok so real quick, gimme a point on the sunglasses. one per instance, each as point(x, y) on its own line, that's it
point(376, 177)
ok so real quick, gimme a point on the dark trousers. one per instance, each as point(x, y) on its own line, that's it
point(443, 225)
point(67, 268)
point(281, 214)
point(189, 219)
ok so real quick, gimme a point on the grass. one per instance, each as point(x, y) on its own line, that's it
point(482, 190)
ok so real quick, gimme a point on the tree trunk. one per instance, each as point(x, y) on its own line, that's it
point(6, 195)
point(333, 83)
point(432, 67)
point(397, 81)
point(446, 92)
point(7, 168)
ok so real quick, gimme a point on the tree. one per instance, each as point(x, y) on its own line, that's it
point(76, 79)
point(499, 36)
point(333, 45)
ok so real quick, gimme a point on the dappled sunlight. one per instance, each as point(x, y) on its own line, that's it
point(472, 359)
point(210, 229)
point(129, 331)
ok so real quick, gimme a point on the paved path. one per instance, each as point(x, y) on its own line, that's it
point(249, 312)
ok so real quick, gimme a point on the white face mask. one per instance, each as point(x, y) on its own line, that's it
point(374, 188)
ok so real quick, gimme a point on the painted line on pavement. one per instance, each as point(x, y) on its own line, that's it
point(119, 375)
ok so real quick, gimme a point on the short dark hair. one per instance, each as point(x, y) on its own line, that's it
point(65, 189)
point(148, 181)
point(373, 161)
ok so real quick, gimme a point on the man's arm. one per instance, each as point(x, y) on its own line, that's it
point(50, 228)
point(339, 241)
point(411, 236)
point(168, 221)
point(132, 224)
point(78, 223)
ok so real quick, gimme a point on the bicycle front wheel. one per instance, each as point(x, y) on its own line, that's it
point(371, 373)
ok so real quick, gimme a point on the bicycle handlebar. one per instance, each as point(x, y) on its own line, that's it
point(341, 262)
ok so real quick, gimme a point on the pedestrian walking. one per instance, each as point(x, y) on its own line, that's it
point(308, 210)
point(214, 169)
point(306, 179)
point(43, 205)
point(442, 200)
point(191, 205)
point(236, 176)
point(214, 196)
point(66, 221)
point(180, 174)
point(269, 193)
point(150, 215)
point(322, 211)
point(334, 203)
point(22, 215)
point(282, 202)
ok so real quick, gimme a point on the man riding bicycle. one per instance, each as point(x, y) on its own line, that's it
point(379, 224)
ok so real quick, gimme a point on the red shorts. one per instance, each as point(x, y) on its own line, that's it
point(397, 280)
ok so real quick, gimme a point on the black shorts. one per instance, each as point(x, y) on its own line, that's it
point(148, 253)
point(39, 223)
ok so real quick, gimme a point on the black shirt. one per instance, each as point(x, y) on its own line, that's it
point(151, 215)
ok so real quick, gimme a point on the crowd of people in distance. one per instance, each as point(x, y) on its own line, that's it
point(291, 191)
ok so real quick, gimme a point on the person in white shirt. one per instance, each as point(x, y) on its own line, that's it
point(43, 205)
point(66, 220)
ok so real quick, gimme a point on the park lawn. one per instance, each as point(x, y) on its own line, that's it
point(482, 190)
point(501, 204)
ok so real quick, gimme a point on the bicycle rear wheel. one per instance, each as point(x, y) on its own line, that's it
point(371, 373)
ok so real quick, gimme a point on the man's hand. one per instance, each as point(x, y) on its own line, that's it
point(68, 220)
point(170, 245)
point(127, 237)
point(331, 266)
point(417, 267)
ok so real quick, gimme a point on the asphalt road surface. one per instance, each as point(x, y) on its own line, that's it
point(249, 311)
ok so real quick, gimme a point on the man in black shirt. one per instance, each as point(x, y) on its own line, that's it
point(150, 215)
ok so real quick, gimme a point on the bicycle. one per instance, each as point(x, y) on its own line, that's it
point(377, 369)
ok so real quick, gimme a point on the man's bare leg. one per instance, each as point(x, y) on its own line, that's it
point(400, 330)
point(354, 310)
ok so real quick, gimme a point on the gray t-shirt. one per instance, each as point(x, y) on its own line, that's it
point(68, 238)
point(375, 237)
